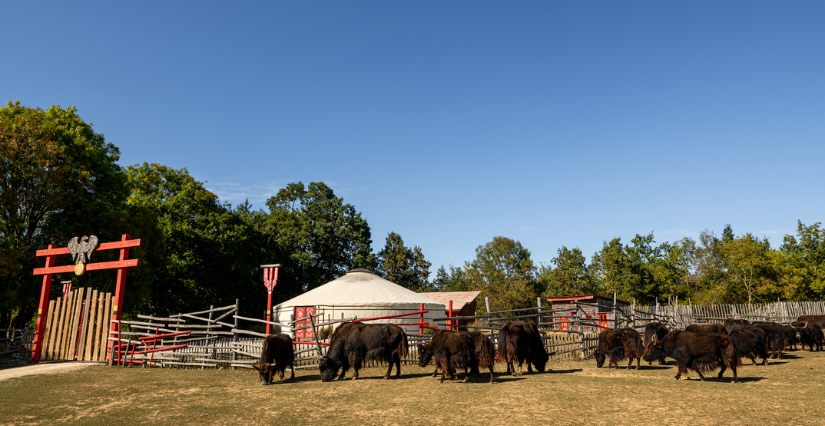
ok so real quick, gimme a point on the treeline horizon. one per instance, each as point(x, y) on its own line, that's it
point(59, 179)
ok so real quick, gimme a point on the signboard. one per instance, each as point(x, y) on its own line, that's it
point(302, 314)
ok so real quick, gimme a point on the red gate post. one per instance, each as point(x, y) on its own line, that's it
point(270, 280)
point(450, 315)
point(119, 290)
point(42, 310)
point(421, 320)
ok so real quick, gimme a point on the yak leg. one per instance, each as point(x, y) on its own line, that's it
point(638, 361)
point(722, 370)
point(344, 370)
point(292, 370)
point(389, 371)
point(629, 363)
point(492, 379)
point(397, 365)
point(753, 359)
point(701, 377)
point(679, 372)
point(435, 373)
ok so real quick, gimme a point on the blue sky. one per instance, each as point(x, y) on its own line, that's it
point(552, 123)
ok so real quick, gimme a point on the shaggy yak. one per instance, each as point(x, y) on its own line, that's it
point(776, 336)
point(706, 328)
point(276, 355)
point(654, 331)
point(618, 344)
point(699, 352)
point(354, 343)
point(451, 351)
point(809, 334)
point(750, 342)
point(818, 319)
point(520, 341)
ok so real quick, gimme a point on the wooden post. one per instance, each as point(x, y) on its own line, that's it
point(538, 311)
point(235, 335)
point(315, 335)
point(120, 288)
point(487, 305)
point(42, 310)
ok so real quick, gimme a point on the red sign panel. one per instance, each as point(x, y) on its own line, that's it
point(302, 314)
point(603, 320)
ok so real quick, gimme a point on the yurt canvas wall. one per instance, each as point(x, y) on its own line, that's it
point(361, 294)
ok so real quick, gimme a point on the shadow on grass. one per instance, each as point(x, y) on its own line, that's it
point(575, 370)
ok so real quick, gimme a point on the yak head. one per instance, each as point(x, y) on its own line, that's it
point(654, 351)
point(265, 371)
point(425, 355)
point(600, 357)
point(328, 368)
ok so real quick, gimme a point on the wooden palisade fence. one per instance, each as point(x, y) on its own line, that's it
point(77, 326)
point(15, 347)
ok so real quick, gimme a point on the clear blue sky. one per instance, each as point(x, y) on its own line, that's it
point(553, 123)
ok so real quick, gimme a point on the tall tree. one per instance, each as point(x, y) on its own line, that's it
point(454, 280)
point(609, 268)
point(58, 179)
point(570, 275)
point(402, 265)
point(503, 271)
point(750, 268)
point(204, 253)
point(318, 236)
point(805, 256)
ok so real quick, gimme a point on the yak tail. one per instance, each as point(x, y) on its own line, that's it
point(730, 356)
point(486, 353)
point(503, 344)
point(404, 350)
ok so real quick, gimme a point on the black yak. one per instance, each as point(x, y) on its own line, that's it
point(451, 351)
point(276, 355)
point(654, 331)
point(750, 342)
point(520, 341)
point(699, 352)
point(354, 343)
point(809, 334)
point(776, 337)
point(618, 344)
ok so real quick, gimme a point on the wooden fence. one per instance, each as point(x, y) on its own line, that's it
point(215, 338)
point(15, 347)
point(77, 326)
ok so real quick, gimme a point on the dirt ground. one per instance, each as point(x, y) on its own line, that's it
point(44, 368)
point(786, 391)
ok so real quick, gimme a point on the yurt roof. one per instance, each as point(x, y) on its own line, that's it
point(359, 287)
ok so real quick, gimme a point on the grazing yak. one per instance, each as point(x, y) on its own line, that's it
point(731, 323)
point(706, 328)
point(276, 355)
point(354, 343)
point(776, 337)
point(750, 343)
point(654, 331)
point(809, 334)
point(452, 350)
point(699, 352)
point(520, 341)
point(618, 344)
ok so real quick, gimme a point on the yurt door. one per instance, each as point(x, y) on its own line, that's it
point(302, 314)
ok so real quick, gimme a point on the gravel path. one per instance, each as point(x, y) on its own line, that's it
point(47, 368)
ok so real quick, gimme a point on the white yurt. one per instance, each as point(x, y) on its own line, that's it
point(358, 294)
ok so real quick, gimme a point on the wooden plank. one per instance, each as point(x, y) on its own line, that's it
point(90, 330)
point(84, 324)
point(103, 330)
point(89, 267)
point(44, 352)
point(64, 318)
point(100, 247)
point(98, 326)
point(75, 325)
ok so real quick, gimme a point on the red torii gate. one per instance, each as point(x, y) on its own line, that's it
point(50, 269)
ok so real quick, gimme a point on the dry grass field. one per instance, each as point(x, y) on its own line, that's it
point(789, 391)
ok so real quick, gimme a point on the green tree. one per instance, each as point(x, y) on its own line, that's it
point(454, 280)
point(503, 271)
point(570, 275)
point(750, 269)
point(204, 253)
point(404, 266)
point(609, 268)
point(805, 257)
point(317, 237)
point(58, 179)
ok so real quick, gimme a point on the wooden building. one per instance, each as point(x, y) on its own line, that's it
point(591, 308)
point(464, 304)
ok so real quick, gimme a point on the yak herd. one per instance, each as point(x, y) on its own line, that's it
point(699, 347)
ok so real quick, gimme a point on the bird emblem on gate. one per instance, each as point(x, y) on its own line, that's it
point(82, 252)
